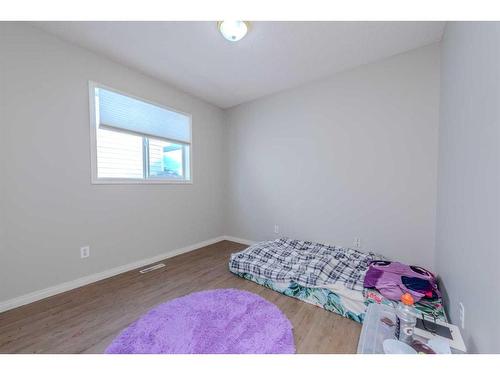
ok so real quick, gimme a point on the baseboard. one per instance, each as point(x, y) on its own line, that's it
point(239, 240)
point(64, 287)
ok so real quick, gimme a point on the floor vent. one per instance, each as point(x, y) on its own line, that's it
point(152, 268)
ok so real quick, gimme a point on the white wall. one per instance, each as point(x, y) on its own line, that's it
point(351, 156)
point(468, 220)
point(50, 206)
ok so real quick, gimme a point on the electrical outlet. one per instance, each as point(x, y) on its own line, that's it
point(461, 314)
point(357, 242)
point(276, 228)
point(84, 252)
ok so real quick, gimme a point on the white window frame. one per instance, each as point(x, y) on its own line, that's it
point(93, 144)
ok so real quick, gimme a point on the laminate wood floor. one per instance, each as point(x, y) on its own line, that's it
point(85, 320)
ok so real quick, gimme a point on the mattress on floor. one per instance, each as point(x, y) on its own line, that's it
point(327, 276)
point(347, 303)
point(321, 297)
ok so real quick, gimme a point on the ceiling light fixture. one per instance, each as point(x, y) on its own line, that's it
point(233, 30)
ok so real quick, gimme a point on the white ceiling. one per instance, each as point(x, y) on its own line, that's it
point(274, 56)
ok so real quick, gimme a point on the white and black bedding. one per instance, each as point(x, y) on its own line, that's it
point(309, 264)
point(327, 276)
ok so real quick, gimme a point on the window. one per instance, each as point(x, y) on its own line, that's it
point(134, 141)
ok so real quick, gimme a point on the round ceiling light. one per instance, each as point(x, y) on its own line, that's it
point(233, 30)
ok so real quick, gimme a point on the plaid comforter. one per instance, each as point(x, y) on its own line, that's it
point(309, 264)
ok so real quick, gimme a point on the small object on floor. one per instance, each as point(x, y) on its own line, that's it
point(444, 331)
point(434, 328)
point(392, 346)
point(439, 345)
point(220, 321)
point(406, 318)
point(420, 347)
point(388, 321)
point(393, 279)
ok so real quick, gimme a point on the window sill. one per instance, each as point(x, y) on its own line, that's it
point(130, 181)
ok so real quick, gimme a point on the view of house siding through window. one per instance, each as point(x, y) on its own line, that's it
point(139, 140)
point(119, 155)
point(166, 159)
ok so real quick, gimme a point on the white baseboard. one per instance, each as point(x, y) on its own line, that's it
point(239, 240)
point(64, 287)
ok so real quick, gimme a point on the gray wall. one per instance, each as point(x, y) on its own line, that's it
point(468, 225)
point(3, 157)
point(351, 156)
point(50, 207)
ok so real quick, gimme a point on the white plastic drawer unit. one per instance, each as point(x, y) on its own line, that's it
point(375, 331)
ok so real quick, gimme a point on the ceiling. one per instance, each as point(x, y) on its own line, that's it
point(274, 56)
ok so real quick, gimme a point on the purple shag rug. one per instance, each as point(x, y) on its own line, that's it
point(225, 321)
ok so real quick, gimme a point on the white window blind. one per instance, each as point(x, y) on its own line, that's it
point(133, 140)
point(126, 113)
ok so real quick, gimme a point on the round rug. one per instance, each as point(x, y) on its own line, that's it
point(214, 321)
